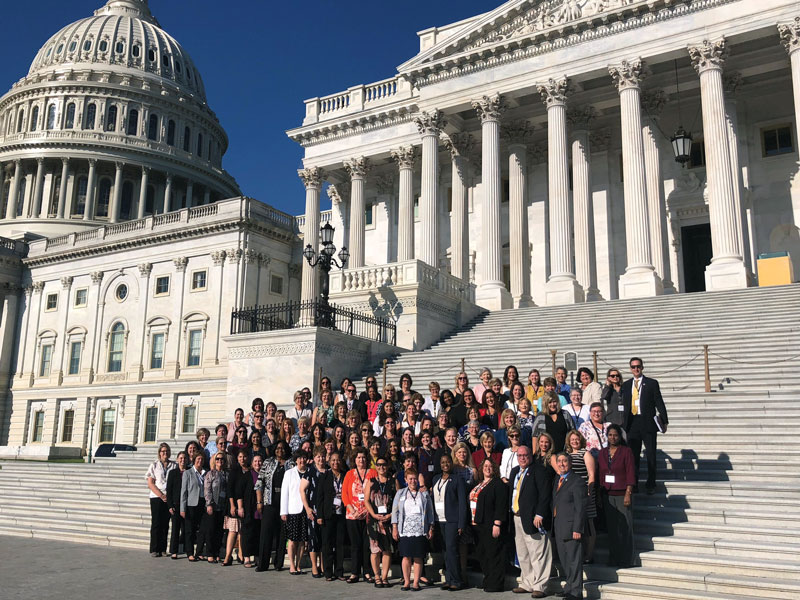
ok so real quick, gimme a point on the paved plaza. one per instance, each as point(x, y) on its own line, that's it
point(52, 570)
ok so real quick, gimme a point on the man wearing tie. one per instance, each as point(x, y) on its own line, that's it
point(569, 518)
point(642, 401)
point(530, 490)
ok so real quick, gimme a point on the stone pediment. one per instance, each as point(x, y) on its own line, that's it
point(519, 24)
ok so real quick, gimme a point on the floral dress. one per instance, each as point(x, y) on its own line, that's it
point(380, 533)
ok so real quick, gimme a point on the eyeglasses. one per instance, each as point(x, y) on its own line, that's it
point(384, 465)
point(462, 378)
point(614, 375)
point(218, 459)
point(513, 436)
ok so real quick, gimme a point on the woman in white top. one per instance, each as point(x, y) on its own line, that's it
point(592, 391)
point(509, 459)
point(159, 511)
point(412, 523)
point(576, 408)
point(299, 409)
point(292, 511)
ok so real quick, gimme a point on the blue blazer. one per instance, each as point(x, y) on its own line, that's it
point(455, 500)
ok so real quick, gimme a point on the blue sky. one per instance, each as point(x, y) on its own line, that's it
point(259, 61)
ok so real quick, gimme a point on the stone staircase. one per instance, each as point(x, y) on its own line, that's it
point(723, 522)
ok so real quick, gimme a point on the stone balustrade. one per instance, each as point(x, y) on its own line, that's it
point(357, 98)
point(325, 216)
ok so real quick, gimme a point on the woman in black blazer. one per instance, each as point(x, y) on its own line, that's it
point(450, 509)
point(489, 505)
point(174, 482)
point(330, 511)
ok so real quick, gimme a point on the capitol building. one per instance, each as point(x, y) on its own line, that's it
point(546, 152)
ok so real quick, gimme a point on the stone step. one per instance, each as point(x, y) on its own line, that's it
point(99, 527)
point(754, 530)
point(647, 591)
point(723, 548)
point(82, 537)
point(77, 510)
point(701, 563)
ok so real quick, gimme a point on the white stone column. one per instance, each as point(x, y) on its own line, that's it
point(357, 169)
point(430, 125)
point(561, 287)
point(116, 197)
point(312, 180)
point(91, 185)
point(168, 193)
point(727, 269)
point(62, 191)
point(405, 157)
point(640, 278)
point(518, 134)
point(653, 103)
point(143, 192)
point(582, 204)
point(790, 38)
point(38, 191)
point(207, 195)
point(460, 145)
point(13, 193)
point(491, 293)
point(189, 193)
point(8, 325)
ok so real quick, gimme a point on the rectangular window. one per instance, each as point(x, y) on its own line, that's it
point(697, 157)
point(81, 297)
point(276, 285)
point(46, 360)
point(777, 140)
point(69, 422)
point(107, 425)
point(157, 351)
point(195, 347)
point(150, 424)
point(162, 285)
point(189, 414)
point(38, 425)
point(368, 215)
point(199, 280)
point(75, 357)
point(51, 302)
point(416, 208)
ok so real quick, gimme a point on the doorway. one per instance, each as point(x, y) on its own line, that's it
point(697, 253)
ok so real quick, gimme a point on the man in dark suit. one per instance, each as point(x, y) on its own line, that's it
point(569, 519)
point(641, 397)
point(530, 493)
point(353, 402)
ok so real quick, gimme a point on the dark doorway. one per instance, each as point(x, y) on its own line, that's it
point(697, 253)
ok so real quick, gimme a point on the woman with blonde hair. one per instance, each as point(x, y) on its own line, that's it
point(553, 420)
point(463, 465)
point(508, 418)
point(215, 490)
point(583, 464)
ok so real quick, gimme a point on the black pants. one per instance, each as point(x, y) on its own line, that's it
point(334, 534)
point(449, 536)
point(492, 558)
point(251, 535)
point(177, 533)
point(211, 529)
point(194, 515)
point(359, 546)
point(273, 536)
point(635, 442)
point(570, 555)
point(159, 525)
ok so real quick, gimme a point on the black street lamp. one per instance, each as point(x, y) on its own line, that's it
point(326, 261)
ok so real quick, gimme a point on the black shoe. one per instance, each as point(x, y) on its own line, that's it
point(651, 490)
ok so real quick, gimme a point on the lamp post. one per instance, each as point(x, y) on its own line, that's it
point(326, 260)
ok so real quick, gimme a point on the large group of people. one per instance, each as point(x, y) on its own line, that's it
point(506, 472)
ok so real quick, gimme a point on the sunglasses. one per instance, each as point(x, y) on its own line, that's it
point(513, 436)
point(461, 378)
point(381, 465)
point(614, 375)
point(636, 366)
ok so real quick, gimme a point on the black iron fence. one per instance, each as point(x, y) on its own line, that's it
point(291, 315)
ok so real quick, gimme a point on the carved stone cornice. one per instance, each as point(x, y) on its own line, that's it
point(312, 177)
point(145, 269)
point(218, 257)
point(790, 35)
point(430, 123)
point(580, 117)
point(653, 102)
point(38, 286)
point(66, 282)
point(180, 263)
point(517, 132)
point(235, 255)
point(97, 277)
point(731, 82)
point(628, 74)
point(357, 167)
point(709, 55)
point(490, 108)
point(404, 156)
point(555, 91)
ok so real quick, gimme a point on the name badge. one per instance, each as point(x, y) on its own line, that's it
point(440, 508)
point(337, 501)
point(621, 407)
point(473, 504)
point(277, 490)
point(611, 479)
point(361, 497)
point(381, 510)
point(430, 468)
point(413, 510)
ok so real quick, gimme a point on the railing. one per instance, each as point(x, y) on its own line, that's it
point(207, 210)
point(125, 227)
point(357, 98)
point(89, 234)
point(15, 246)
point(334, 103)
point(325, 216)
point(56, 242)
point(166, 218)
point(292, 315)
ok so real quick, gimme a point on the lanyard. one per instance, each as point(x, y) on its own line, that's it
point(597, 433)
point(360, 478)
point(382, 487)
point(441, 484)
point(413, 495)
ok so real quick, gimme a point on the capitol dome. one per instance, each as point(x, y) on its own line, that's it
point(110, 124)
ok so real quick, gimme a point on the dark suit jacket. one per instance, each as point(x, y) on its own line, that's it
point(534, 496)
point(650, 401)
point(174, 482)
point(492, 504)
point(569, 504)
point(325, 493)
point(455, 500)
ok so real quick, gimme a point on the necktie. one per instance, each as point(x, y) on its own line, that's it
point(515, 503)
point(560, 483)
point(635, 398)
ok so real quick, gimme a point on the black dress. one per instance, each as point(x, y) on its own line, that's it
point(314, 530)
point(558, 430)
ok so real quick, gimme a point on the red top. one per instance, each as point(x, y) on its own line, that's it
point(353, 493)
point(620, 467)
point(480, 454)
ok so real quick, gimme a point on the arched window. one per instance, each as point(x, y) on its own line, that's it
point(10, 124)
point(73, 45)
point(103, 198)
point(200, 145)
point(20, 121)
point(52, 207)
point(151, 55)
point(171, 132)
point(187, 139)
point(136, 50)
point(80, 196)
point(51, 116)
point(120, 47)
point(70, 122)
point(116, 345)
point(126, 204)
point(103, 46)
point(111, 118)
point(133, 122)
point(34, 118)
point(91, 115)
point(87, 45)
point(23, 184)
point(152, 128)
